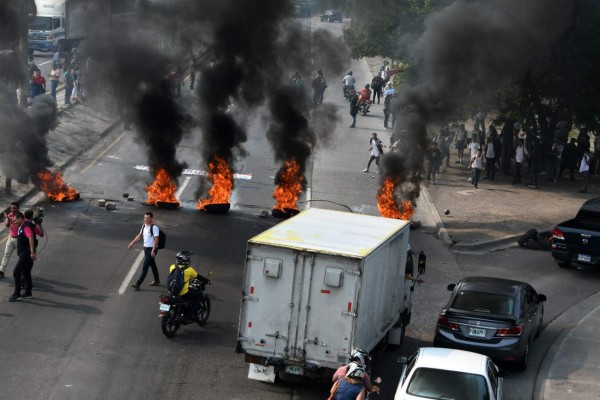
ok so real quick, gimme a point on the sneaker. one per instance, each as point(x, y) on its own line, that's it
point(15, 297)
point(28, 296)
point(366, 170)
point(154, 283)
point(135, 286)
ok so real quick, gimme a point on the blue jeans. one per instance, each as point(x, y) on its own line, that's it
point(149, 261)
point(68, 91)
point(53, 86)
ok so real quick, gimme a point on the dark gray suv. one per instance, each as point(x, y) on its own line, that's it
point(496, 317)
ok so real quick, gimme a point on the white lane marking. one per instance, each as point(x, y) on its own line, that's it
point(197, 172)
point(47, 62)
point(182, 187)
point(131, 272)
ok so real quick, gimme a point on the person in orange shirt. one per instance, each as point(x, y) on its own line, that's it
point(365, 94)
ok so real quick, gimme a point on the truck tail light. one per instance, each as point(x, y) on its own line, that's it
point(514, 330)
point(558, 234)
point(444, 323)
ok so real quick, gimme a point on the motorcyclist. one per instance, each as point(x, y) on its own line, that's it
point(365, 94)
point(182, 260)
point(349, 82)
point(359, 357)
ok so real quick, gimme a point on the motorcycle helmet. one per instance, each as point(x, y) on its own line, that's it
point(367, 86)
point(355, 371)
point(360, 356)
point(184, 257)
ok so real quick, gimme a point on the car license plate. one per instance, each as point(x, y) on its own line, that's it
point(584, 257)
point(292, 369)
point(477, 332)
point(164, 307)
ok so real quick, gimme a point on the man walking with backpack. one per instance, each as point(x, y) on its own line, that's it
point(150, 236)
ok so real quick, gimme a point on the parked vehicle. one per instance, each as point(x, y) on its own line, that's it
point(320, 284)
point(437, 373)
point(175, 311)
point(577, 240)
point(496, 317)
point(331, 16)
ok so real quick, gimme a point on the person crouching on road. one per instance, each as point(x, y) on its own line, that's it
point(26, 253)
point(149, 233)
point(11, 241)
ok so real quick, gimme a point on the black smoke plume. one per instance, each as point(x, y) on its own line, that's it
point(24, 150)
point(469, 50)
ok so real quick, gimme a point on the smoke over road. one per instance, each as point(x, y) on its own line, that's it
point(469, 50)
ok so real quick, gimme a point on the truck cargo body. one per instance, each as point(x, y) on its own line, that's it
point(320, 284)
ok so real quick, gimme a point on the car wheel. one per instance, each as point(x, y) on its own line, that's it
point(524, 359)
point(564, 264)
point(539, 328)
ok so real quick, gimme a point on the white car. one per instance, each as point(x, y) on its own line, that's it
point(439, 373)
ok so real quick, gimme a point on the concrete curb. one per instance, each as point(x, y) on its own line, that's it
point(487, 246)
point(562, 325)
point(441, 231)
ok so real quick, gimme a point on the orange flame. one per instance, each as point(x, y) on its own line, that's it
point(290, 186)
point(162, 189)
point(386, 202)
point(221, 175)
point(54, 187)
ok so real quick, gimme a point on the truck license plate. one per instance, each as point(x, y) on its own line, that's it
point(477, 332)
point(294, 370)
point(584, 257)
point(164, 307)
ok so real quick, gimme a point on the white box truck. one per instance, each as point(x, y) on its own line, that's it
point(320, 284)
point(61, 24)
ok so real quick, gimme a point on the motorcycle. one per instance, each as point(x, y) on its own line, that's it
point(365, 107)
point(175, 311)
point(348, 92)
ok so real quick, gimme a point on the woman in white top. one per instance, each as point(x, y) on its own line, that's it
point(476, 166)
point(520, 157)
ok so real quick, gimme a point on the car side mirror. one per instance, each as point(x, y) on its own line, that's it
point(451, 286)
point(541, 298)
point(402, 360)
point(422, 263)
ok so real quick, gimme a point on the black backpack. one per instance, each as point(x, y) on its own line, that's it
point(162, 237)
point(175, 280)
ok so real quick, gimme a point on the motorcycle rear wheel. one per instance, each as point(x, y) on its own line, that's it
point(169, 325)
point(203, 311)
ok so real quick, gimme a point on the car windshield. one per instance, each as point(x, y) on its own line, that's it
point(484, 303)
point(40, 24)
point(441, 384)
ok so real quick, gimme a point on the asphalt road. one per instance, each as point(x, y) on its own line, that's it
point(87, 335)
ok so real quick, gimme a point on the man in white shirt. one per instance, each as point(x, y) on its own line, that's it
point(149, 233)
point(520, 157)
point(349, 81)
point(376, 152)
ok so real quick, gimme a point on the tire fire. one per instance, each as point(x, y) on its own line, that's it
point(162, 190)
point(289, 186)
point(388, 206)
point(55, 188)
point(221, 176)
